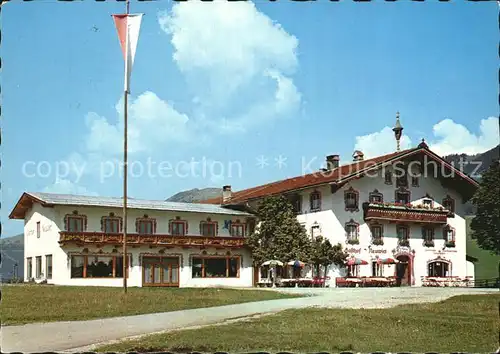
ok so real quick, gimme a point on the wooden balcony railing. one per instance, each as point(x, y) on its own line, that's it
point(404, 213)
point(101, 238)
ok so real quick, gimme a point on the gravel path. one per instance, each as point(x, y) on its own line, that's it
point(63, 336)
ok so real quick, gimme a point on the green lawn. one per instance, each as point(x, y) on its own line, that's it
point(487, 266)
point(46, 303)
point(463, 323)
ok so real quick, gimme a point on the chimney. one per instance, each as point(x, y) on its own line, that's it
point(226, 194)
point(358, 156)
point(332, 161)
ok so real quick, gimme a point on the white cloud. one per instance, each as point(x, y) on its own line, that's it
point(380, 143)
point(448, 138)
point(237, 61)
point(238, 64)
point(152, 122)
point(454, 138)
point(65, 186)
point(228, 43)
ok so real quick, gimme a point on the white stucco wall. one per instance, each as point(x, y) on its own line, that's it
point(52, 221)
point(333, 217)
point(46, 244)
point(470, 270)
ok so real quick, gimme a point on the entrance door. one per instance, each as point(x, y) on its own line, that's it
point(160, 271)
point(403, 271)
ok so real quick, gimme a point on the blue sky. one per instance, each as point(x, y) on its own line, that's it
point(230, 82)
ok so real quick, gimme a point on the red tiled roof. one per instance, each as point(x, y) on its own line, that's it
point(308, 180)
point(337, 175)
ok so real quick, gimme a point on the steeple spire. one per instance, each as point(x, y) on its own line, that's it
point(398, 130)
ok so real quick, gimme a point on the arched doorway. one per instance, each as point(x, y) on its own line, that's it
point(404, 270)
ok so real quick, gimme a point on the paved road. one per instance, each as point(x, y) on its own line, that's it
point(60, 336)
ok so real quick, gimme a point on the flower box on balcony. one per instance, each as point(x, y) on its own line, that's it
point(429, 243)
point(404, 243)
point(378, 242)
point(450, 244)
point(353, 242)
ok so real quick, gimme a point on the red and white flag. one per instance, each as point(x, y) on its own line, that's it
point(128, 27)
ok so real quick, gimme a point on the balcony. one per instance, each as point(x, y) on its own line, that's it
point(405, 213)
point(101, 238)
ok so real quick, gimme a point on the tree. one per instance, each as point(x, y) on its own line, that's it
point(279, 235)
point(486, 224)
point(324, 254)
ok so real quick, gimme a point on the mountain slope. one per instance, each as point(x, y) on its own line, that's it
point(475, 164)
point(12, 252)
point(195, 195)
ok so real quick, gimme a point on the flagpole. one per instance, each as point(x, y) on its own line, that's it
point(125, 143)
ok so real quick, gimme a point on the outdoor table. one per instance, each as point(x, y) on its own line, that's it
point(289, 282)
point(356, 281)
point(305, 281)
point(380, 281)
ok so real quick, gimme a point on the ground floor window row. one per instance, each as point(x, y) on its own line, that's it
point(165, 269)
point(435, 268)
point(38, 267)
point(97, 266)
point(216, 267)
point(156, 269)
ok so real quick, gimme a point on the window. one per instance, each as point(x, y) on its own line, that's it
point(402, 196)
point(48, 266)
point(97, 266)
point(377, 234)
point(216, 267)
point(178, 227)
point(428, 236)
point(402, 178)
point(414, 182)
point(75, 223)
point(111, 224)
point(449, 236)
point(351, 229)
point(428, 233)
point(351, 197)
point(376, 197)
point(208, 228)
point(377, 269)
point(315, 201)
point(402, 181)
point(296, 201)
point(438, 269)
point(449, 204)
point(388, 177)
point(38, 229)
point(38, 269)
point(29, 268)
point(145, 226)
point(427, 202)
point(237, 229)
point(403, 235)
point(315, 231)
